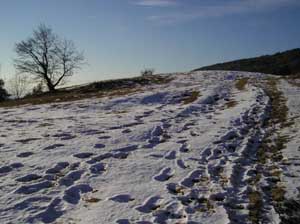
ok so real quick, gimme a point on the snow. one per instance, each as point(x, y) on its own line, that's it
point(139, 158)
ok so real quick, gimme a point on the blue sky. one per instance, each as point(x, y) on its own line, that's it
point(121, 37)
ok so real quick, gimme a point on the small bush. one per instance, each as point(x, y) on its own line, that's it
point(3, 93)
point(147, 72)
point(38, 89)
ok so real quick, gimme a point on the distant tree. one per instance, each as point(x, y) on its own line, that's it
point(3, 93)
point(47, 57)
point(18, 85)
point(147, 72)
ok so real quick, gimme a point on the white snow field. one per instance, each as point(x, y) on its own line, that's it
point(180, 152)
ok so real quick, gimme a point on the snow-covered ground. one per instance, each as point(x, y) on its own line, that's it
point(147, 157)
point(291, 154)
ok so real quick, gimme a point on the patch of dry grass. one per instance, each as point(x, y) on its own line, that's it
point(278, 193)
point(255, 205)
point(92, 200)
point(241, 84)
point(270, 150)
point(194, 95)
point(231, 104)
point(110, 88)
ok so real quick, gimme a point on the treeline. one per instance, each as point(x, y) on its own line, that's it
point(282, 63)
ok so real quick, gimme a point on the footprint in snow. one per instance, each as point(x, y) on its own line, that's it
point(150, 204)
point(28, 178)
point(27, 140)
point(50, 214)
point(33, 188)
point(104, 137)
point(28, 202)
point(158, 156)
point(64, 136)
point(126, 131)
point(174, 188)
point(180, 163)
point(57, 168)
point(182, 141)
point(25, 154)
point(174, 212)
point(5, 169)
point(171, 155)
point(123, 221)
point(73, 194)
point(54, 146)
point(70, 178)
point(120, 155)
point(129, 148)
point(83, 155)
point(122, 198)
point(92, 132)
point(9, 168)
point(99, 146)
point(164, 175)
point(100, 158)
point(192, 178)
point(184, 148)
point(98, 168)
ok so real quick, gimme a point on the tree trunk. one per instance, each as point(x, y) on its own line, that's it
point(51, 87)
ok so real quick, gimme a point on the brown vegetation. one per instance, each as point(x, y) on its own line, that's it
point(241, 84)
point(193, 96)
point(100, 89)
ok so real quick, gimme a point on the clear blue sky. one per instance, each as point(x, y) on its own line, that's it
point(121, 37)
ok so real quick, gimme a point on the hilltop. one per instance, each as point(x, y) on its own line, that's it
point(282, 63)
point(201, 147)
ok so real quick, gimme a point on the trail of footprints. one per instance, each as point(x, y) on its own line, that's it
point(64, 175)
point(192, 193)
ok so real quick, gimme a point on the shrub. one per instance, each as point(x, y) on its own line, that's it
point(147, 72)
point(3, 93)
point(38, 89)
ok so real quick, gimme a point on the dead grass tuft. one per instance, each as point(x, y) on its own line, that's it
point(92, 200)
point(231, 104)
point(241, 84)
point(194, 95)
point(255, 205)
point(110, 88)
point(278, 193)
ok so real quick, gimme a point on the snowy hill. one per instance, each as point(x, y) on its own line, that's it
point(187, 151)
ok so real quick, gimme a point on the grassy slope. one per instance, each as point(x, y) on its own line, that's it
point(96, 89)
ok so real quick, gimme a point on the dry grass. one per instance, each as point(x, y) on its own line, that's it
point(278, 193)
point(231, 104)
point(294, 80)
point(255, 205)
point(270, 150)
point(92, 200)
point(110, 88)
point(194, 95)
point(241, 84)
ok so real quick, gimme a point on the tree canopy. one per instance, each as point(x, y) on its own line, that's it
point(48, 57)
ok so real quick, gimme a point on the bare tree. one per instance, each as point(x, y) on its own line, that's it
point(18, 85)
point(47, 57)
